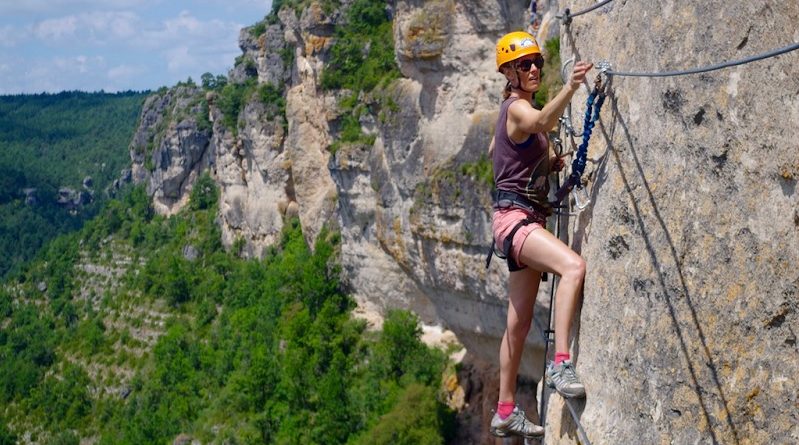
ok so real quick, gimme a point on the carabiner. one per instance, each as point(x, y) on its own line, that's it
point(581, 197)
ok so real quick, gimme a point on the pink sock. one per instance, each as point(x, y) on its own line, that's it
point(504, 409)
point(561, 356)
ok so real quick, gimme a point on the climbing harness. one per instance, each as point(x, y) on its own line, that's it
point(504, 199)
point(574, 182)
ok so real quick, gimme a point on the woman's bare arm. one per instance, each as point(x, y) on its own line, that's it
point(529, 120)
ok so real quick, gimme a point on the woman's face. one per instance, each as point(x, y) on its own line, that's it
point(528, 68)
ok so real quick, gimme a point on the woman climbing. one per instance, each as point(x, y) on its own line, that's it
point(522, 161)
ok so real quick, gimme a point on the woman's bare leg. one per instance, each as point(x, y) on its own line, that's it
point(522, 290)
point(543, 251)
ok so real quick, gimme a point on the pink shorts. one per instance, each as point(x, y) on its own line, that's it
point(504, 222)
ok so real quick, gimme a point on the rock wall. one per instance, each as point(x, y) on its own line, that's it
point(169, 149)
point(407, 213)
point(689, 321)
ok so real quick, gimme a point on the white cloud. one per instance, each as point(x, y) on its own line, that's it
point(129, 30)
point(51, 45)
point(118, 25)
point(56, 29)
point(76, 65)
point(185, 28)
point(178, 59)
point(61, 6)
point(92, 27)
point(124, 72)
point(190, 45)
point(263, 6)
point(10, 36)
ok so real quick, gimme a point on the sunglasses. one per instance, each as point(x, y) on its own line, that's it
point(527, 64)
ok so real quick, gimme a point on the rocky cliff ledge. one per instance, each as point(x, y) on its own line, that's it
point(689, 322)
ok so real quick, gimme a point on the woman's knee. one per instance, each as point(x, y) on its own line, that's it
point(575, 269)
point(520, 329)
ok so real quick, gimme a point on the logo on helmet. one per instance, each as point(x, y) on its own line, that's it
point(526, 42)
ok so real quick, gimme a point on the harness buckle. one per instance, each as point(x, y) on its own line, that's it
point(504, 204)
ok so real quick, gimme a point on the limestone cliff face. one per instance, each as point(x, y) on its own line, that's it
point(169, 150)
point(689, 322)
point(690, 315)
point(416, 227)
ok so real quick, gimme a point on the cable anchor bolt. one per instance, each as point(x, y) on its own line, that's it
point(566, 17)
point(604, 66)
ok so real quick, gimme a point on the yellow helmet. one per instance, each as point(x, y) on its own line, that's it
point(514, 45)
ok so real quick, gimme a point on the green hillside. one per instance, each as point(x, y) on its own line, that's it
point(140, 328)
point(48, 141)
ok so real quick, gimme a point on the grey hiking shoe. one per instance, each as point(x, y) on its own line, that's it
point(564, 379)
point(516, 424)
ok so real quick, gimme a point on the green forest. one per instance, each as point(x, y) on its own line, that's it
point(48, 141)
point(122, 326)
point(139, 328)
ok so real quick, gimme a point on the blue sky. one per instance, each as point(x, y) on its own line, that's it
point(117, 45)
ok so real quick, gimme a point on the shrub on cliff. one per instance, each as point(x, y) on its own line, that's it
point(363, 55)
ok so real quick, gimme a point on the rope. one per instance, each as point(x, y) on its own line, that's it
point(593, 107)
point(567, 15)
point(717, 66)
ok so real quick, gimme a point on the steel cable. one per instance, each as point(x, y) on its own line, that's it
point(714, 67)
point(567, 15)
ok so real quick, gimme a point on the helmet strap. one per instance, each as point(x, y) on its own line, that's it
point(518, 83)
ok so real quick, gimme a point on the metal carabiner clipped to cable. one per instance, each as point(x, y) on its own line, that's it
point(604, 66)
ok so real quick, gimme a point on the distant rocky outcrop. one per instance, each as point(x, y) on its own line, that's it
point(72, 199)
point(125, 177)
point(30, 196)
point(170, 149)
point(688, 327)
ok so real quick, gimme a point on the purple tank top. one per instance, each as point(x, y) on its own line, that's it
point(521, 168)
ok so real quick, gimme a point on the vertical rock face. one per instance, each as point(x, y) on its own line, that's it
point(415, 226)
point(182, 133)
point(691, 310)
point(689, 322)
point(169, 150)
point(254, 176)
point(308, 138)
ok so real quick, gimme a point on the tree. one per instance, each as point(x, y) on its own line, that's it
point(6, 436)
point(414, 420)
point(209, 82)
point(204, 193)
